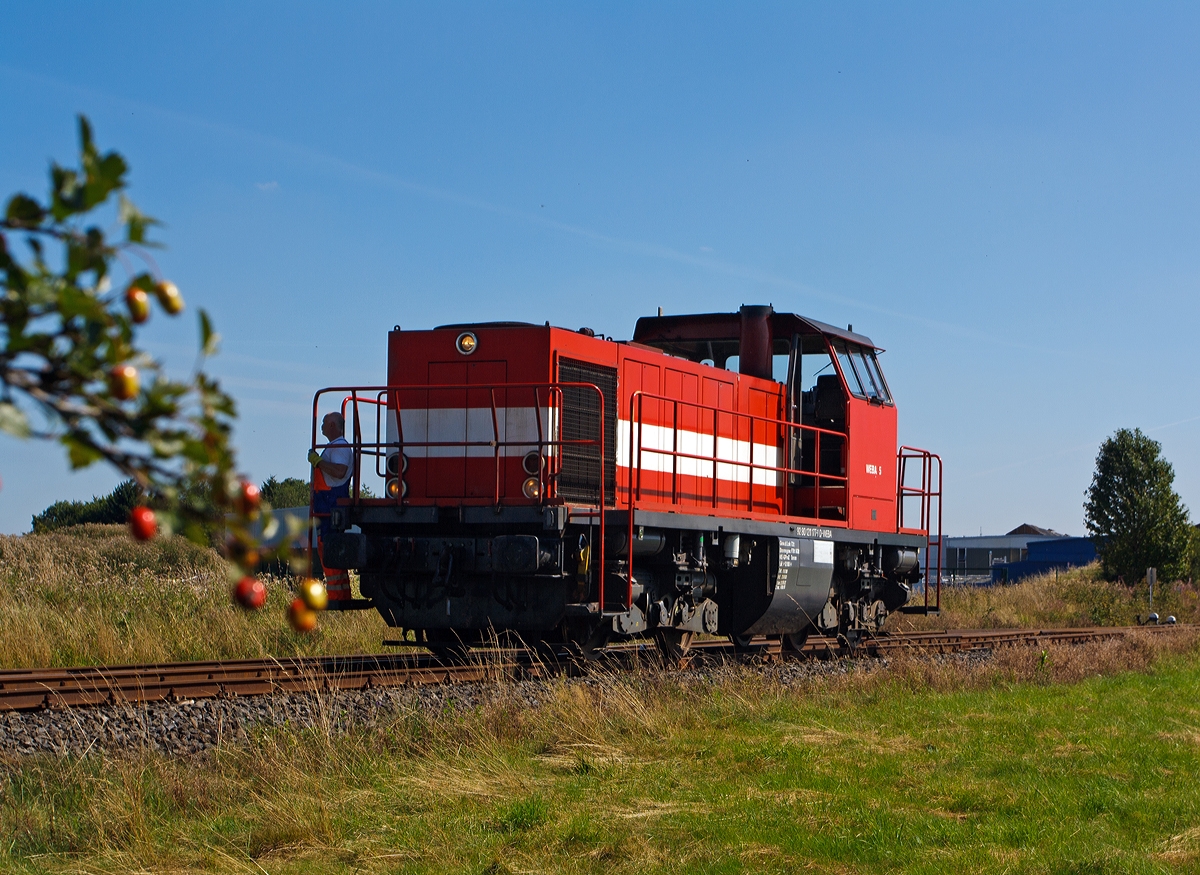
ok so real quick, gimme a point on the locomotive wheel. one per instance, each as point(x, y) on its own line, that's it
point(672, 644)
point(848, 641)
point(446, 646)
point(741, 643)
point(589, 648)
point(795, 641)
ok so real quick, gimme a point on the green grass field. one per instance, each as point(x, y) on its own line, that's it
point(924, 767)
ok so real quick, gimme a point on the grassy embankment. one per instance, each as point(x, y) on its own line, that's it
point(1078, 597)
point(92, 595)
point(1062, 762)
point(1073, 759)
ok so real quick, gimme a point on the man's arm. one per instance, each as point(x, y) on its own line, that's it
point(333, 469)
point(329, 468)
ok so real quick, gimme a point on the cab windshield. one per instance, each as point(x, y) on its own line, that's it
point(861, 370)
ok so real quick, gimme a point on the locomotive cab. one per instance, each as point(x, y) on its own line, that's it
point(725, 473)
point(832, 383)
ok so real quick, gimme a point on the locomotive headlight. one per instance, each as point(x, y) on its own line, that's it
point(532, 463)
point(396, 488)
point(467, 343)
point(531, 488)
point(397, 463)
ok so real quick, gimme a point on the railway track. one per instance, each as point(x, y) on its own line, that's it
point(30, 689)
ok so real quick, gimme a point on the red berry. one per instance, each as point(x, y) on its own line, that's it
point(142, 523)
point(138, 303)
point(248, 498)
point(124, 382)
point(302, 617)
point(169, 297)
point(242, 553)
point(250, 593)
point(313, 593)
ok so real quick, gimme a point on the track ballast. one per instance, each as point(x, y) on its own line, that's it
point(31, 689)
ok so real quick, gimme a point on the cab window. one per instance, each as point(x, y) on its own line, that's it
point(847, 368)
point(864, 374)
point(872, 365)
point(859, 366)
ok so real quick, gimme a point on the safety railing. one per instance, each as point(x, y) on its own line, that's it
point(926, 495)
point(785, 438)
point(547, 440)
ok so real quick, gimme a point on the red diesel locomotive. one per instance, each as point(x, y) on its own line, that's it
point(726, 473)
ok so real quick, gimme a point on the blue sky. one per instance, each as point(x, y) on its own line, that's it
point(1004, 196)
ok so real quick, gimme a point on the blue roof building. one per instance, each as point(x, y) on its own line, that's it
point(1046, 555)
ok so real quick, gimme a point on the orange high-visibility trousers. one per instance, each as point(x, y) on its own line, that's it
point(325, 498)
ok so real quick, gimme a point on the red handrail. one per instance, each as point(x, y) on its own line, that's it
point(388, 398)
point(636, 417)
point(637, 450)
point(928, 495)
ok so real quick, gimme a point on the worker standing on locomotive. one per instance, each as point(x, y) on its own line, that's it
point(330, 481)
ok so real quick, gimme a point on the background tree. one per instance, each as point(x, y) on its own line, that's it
point(288, 492)
point(112, 508)
point(71, 369)
point(1194, 557)
point(1133, 514)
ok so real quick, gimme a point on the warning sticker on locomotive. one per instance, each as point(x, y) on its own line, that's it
point(822, 552)
point(789, 558)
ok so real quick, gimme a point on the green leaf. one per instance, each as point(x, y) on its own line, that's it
point(67, 193)
point(85, 137)
point(24, 210)
point(73, 301)
point(13, 420)
point(164, 447)
point(42, 291)
point(143, 281)
point(80, 453)
point(209, 339)
point(136, 224)
point(104, 177)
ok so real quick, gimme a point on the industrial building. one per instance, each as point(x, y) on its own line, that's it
point(1026, 550)
point(1046, 554)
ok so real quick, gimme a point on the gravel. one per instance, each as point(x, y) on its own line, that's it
point(191, 727)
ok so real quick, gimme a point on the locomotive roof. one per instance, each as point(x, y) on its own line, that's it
point(721, 328)
point(727, 327)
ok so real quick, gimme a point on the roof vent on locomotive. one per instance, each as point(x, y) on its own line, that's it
point(723, 473)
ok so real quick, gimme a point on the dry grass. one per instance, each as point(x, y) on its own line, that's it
point(1076, 597)
point(92, 595)
point(925, 765)
point(1053, 664)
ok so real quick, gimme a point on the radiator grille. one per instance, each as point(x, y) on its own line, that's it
point(581, 421)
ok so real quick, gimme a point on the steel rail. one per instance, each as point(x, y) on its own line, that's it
point(30, 689)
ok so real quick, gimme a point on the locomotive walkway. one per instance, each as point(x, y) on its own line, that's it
point(30, 689)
